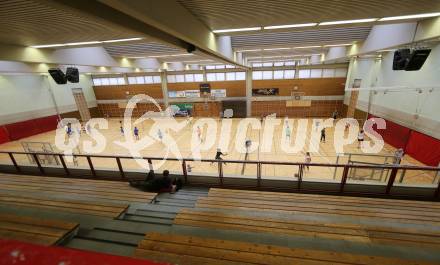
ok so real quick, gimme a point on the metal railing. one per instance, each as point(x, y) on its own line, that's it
point(393, 169)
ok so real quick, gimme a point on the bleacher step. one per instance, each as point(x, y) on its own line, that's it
point(103, 247)
point(147, 219)
point(109, 236)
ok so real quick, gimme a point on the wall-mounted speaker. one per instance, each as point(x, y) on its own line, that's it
point(58, 76)
point(417, 59)
point(401, 58)
point(72, 74)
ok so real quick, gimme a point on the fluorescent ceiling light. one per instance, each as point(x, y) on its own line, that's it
point(47, 46)
point(235, 30)
point(275, 49)
point(170, 55)
point(410, 16)
point(255, 50)
point(119, 40)
point(291, 26)
point(306, 47)
point(82, 43)
point(365, 20)
point(136, 57)
point(337, 45)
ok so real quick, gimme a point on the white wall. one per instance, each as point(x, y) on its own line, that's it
point(419, 111)
point(24, 97)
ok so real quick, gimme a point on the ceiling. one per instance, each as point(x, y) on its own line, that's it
point(33, 22)
point(226, 14)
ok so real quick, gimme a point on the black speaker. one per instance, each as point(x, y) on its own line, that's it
point(190, 48)
point(72, 74)
point(401, 58)
point(58, 75)
point(205, 88)
point(417, 59)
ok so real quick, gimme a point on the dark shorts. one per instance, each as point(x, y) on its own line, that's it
point(360, 140)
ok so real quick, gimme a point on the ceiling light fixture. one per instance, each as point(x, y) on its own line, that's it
point(254, 50)
point(47, 46)
point(307, 47)
point(82, 43)
point(120, 40)
point(170, 55)
point(236, 30)
point(136, 57)
point(365, 20)
point(291, 26)
point(337, 45)
point(411, 16)
point(276, 49)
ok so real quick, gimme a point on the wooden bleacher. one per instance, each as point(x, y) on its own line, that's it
point(36, 231)
point(110, 191)
point(83, 196)
point(415, 212)
point(190, 250)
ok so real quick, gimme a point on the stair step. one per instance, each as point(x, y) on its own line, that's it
point(144, 219)
point(158, 208)
point(175, 201)
point(110, 236)
point(176, 204)
point(155, 214)
point(103, 247)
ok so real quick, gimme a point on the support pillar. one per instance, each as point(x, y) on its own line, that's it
point(164, 84)
point(248, 93)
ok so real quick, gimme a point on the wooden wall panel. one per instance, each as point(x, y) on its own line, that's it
point(233, 88)
point(310, 86)
point(319, 108)
point(119, 91)
point(210, 109)
point(113, 110)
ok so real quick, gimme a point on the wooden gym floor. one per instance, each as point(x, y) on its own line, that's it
point(184, 139)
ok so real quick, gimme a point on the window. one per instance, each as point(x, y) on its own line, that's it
point(304, 73)
point(257, 64)
point(341, 72)
point(230, 66)
point(220, 76)
point(289, 63)
point(97, 82)
point(157, 79)
point(148, 79)
point(267, 64)
point(230, 76)
point(210, 77)
point(210, 67)
point(240, 76)
point(198, 77)
point(180, 78)
point(278, 74)
point(140, 80)
point(171, 79)
point(257, 75)
point(278, 64)
point(328, 73)
point(189, 78)
point(221, 66)
point(105, 81)
point(267, 75)
point(121, 81)
point(113, 81)
point(315, 73)
point(289, 74)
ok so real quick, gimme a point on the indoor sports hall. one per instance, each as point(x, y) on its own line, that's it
point(220, 132)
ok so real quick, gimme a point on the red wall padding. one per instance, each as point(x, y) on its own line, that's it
point(4, 137)
point(424, 148)
point(395, 134)
point(46, 124)
point(28, 128)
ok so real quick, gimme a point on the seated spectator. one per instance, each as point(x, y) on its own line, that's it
point(150, 176)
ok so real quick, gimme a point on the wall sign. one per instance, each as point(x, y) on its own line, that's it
point(218, 93)
point(265, 92)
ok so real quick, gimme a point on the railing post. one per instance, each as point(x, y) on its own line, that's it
point(185, 173)
point(121, 170)
point(391, 180)
point(336, 168)
point(64, 165)
point(258, 174)
point(14, 162)
point(91, 166)
point(220, 173)
point(300, 174)
point(344, 178)
point(38, 163)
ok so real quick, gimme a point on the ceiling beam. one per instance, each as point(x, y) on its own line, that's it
point(166, 21)
point(391, 36)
